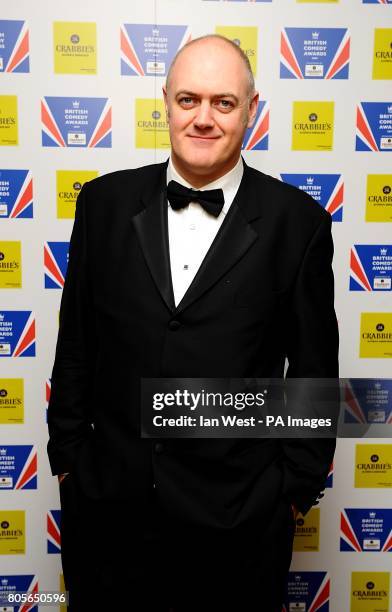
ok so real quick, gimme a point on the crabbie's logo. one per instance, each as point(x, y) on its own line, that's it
point(68, 186)
point(376, 335)
point(10, 264)
point(16, 194)
point(246, 38)
point(75, 47)
point(374, 127)
point(76, 122)
point(11, 400)
point(307, 531)
point(149, 49)
point(371, 267)
point(313, 124)
point(363, 529)
point(379, 197)
point(17, 333)
point(14, 46)
point(373, 466)
point(12, 532)
point(152, 129)
point(326, 189)
point(370, 591)
point(314, 53)
point(382, 53)
point(8, 121)
point(307, 591)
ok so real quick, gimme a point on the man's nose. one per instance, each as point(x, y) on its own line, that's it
point(204, 117)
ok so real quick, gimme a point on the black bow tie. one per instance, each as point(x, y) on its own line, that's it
point(211, 200)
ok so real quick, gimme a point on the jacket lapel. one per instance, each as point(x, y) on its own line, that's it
point(151, 228)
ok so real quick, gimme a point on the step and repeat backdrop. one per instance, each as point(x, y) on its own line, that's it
point(81, 96)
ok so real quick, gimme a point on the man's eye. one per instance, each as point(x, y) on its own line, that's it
point(186, 100)
point(226, 104)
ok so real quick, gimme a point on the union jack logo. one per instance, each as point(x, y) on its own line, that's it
point(28, 476)
point(20, 51)
point(24, 199)
point(256, 137)
point(26, 339)
point(53, 531)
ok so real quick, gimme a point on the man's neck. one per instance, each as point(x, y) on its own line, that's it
point(199, 181)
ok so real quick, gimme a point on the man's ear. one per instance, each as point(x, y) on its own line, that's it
point(253, 109)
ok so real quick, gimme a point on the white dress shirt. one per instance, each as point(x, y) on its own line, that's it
point(192, 229)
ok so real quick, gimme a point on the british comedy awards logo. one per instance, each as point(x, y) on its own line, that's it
point(326, 189)
point(367, 400)
point(374, 127)
point(17, 333)
point(307, 591)
point(55, 263)
point(14, 46)
point(148, 49)
point(18, 467)
point(256, 137)
point(314, 53)
point(16, 194)
point(371, 267)
point(366, 530)
point(76, 122)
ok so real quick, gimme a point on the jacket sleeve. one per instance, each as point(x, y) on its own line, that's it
point(312, 352)
point(68, 419)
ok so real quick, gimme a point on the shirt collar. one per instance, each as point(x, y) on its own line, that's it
point(229, 182)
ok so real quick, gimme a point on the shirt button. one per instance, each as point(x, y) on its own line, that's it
point(159, 448)
point(174, 325)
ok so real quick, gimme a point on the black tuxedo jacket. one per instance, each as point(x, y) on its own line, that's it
point(263, 293)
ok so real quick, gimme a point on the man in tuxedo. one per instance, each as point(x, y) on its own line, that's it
point(198, 267)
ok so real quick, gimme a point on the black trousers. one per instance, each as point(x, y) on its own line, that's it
point(158, 566)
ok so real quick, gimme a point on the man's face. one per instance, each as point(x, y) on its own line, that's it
point(209, 109)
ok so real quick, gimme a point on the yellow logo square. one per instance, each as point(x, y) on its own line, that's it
point(75, 47)
point(10, 264)
point(152, 129)
point(68, 186)
point(370, 592)
point(11, 401)
point(373, 466)
point(382, 54)
point(8, 121)
point(379, 197)
point(12, 532)
point(307, 531)
point(376, 335)
point(246, 38)
point(313, 124)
